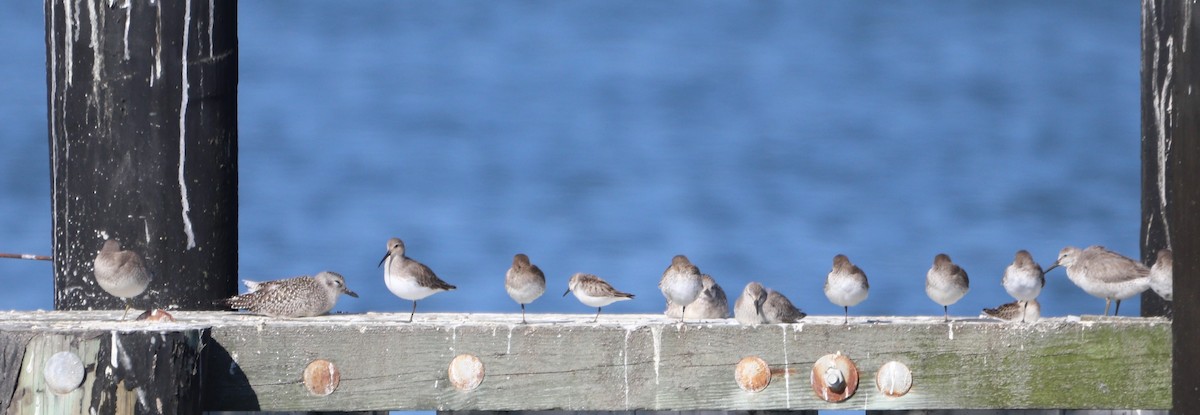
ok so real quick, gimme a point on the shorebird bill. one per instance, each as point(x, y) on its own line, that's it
point(350, 293)
point(568, 292)
point(1052, 267)
point(385, 257)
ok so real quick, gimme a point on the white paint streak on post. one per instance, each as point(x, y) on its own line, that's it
point(68, 41)
point(128, 6)
point(1163, 105)
point(211, 20)
point(183, 103)
point(97, 56)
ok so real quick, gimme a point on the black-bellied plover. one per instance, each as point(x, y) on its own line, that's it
point(407, 278)
point(1023, 279)
point(846, 285)
point(1103, 273)
point(681, 283)
point(711, 304)
point(1023, 311)
point(121, 272)
point(303, 296)
point(946, 283)
point(595, 292)
point(524, 282)
point(1160, 274)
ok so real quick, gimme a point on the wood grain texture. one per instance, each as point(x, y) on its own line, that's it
point(650, 362)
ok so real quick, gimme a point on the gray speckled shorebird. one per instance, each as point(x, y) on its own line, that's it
point(711, 304)
point(121, 272)
point(407, 278)
point(1024, 311)
point(846, 285)
point(681, 283)
point(595, 292)
point(293, 297)
point(946, 283)
point(524, 282)
point(1103, 273)
point(1023, 279)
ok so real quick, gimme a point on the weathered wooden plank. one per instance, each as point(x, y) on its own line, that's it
point(648, 362)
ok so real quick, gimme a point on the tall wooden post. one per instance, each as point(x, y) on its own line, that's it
point(1171, 190)
point(143, 145)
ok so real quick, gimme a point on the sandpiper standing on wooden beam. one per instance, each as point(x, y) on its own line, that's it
point(711, 304)
point(946, 283)
point(524, 282)
point(1103, 273)
point(407, 278)
point(121, 272)
point(595, 292)
point(1023, 279)
point(846, 285)
point(681, 283)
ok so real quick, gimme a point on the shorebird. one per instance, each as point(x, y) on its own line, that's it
point(595, 292)
point(681, 283)
point(1103, 273)
point(711, 304)
point(524, 282)
point(407, 278)
point(758, 305)
point(1024, 279)
point(303, 296)
point(120, 273)
point(946, 283)
point(748, 309)
point(1026, 311)
point(1160, 274)
point(846, 285)
point(777, 309)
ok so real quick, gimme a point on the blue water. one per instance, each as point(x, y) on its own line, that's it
point(758, 138)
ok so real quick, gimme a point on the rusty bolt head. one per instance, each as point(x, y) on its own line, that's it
point(466, 372)
point(157, 314)
point(752, 374)
point(321, 377)
point(834, 377)
point(63, 372)
point(894, 379)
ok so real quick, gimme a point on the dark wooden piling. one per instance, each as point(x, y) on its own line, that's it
point(142, 102)
point(1171, 177)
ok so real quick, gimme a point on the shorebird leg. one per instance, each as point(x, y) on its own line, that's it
point(522, 313)
point(127, 307)
point(682, 312)
point(847, 319)
point(1024, 306)
point(1118, 309)
point(413, 313)
point(597, 318)
point(1107, 302)
point(946, 309)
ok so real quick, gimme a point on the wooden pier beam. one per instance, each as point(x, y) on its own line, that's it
point(143, 145)
point(1171, 177)
point(118, 371)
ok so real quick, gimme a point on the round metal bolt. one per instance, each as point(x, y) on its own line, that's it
point(157, 314)
point(894, 379)
point(63, 372)
point(834, 377)
point(466, 372)
point(752, 374)
point(322, 377)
